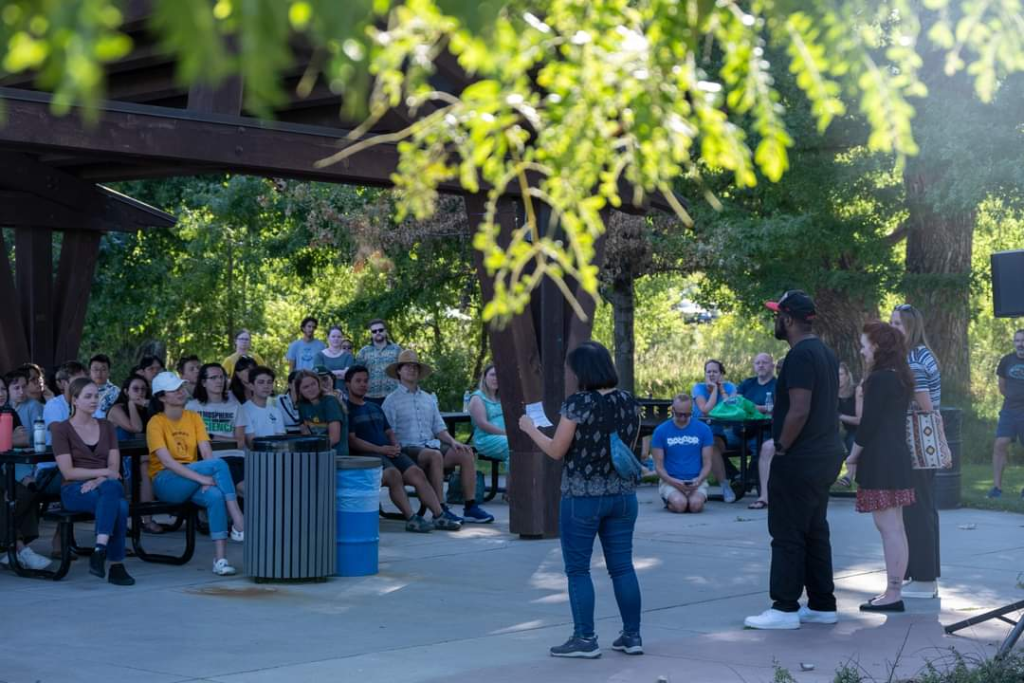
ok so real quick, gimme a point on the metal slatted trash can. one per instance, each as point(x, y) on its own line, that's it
point(358, 491)
point(289, 509)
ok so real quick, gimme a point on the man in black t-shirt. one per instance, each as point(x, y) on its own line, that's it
point(808, 455)
point(1011, 416)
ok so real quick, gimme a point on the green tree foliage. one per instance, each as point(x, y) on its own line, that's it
point(570, 96)
point(261, 254)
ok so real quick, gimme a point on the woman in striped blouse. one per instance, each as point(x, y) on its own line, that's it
point(921, 520)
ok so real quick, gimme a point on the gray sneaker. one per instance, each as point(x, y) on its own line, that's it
point(418, 525)
point(446, 523)
point(577, 647)
point(728, 495)
point(630, 643)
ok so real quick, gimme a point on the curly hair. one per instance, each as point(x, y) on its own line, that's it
point(890, 351)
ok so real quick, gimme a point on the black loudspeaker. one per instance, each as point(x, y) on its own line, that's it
point(1008, 284)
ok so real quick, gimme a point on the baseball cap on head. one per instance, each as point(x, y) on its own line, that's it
point(796, 303)
point(166, 381)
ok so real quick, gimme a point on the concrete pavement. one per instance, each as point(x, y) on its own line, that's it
point(483, 605)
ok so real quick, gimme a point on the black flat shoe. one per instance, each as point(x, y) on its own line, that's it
point(98, 563)
point(119, 577)
point(888, 607)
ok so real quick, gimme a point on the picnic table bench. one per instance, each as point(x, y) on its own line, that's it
point(133, 449)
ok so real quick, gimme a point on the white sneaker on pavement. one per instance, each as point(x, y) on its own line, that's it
point(728, 495)
point(32, 559)
point(813, 616)
point(222, 568)
point(773, 619)
point(924, 590)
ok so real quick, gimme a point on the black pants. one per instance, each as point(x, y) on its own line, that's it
point(921, 521)
point(26, 515)
point(801, 548)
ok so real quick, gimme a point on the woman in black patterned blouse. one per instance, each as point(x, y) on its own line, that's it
point(596, 501)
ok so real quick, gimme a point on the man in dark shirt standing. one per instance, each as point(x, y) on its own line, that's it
point(1011, 416)
point(808, 455)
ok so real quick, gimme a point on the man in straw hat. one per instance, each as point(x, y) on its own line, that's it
point(416, 421)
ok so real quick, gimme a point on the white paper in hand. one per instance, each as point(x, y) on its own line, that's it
point(535, 411)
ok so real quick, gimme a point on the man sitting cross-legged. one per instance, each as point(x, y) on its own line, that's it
point(682, 449)
point(420, 430)
point(370, 434)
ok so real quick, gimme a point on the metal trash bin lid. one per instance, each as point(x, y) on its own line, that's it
point(356, 462)
point(291, 443)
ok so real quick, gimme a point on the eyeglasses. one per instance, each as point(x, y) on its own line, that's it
point(379, 330)
point(681, 415)
point(347, 347)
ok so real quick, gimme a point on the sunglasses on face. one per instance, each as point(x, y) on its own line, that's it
point(681, 415)
point(378, 331)
point(904, 307)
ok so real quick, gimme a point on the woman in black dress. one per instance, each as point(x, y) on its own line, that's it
point(881, 456)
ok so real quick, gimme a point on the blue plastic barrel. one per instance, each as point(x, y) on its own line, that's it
point(358, 496)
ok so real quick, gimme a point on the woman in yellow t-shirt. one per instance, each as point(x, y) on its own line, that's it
point(176, 437)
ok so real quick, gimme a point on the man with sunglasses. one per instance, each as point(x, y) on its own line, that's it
point(377, 356)
point(682, 449)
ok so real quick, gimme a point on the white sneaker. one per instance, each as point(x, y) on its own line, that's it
point(773, 619)
point(925, 590)
point(222, 568)
point(237, 536)
point(813, 616)
point(728, 495)
point(31, 559)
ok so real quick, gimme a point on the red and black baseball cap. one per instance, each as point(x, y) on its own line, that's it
point(796, 303)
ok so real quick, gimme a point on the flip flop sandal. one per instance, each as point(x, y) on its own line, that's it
point(757, 505)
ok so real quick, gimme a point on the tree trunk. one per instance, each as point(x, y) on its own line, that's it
point(839, 322)
point(939, 245)
point(623, 302)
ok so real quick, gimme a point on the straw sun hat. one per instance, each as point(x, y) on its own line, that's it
point(408, 357)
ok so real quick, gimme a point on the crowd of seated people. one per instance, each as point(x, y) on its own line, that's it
point(329, 391)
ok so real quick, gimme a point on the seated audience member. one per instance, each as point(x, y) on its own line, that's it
point(263, 417)
point(320, 412)
point(177, 439)
point(99, 373)
point(86, 451)
point(370, 434)
point(36, 388)
point(26, 510)
point(149, 367)
point(416, 420)
point(682, 449)
point(188, 370)
point(243, 340)
point(289, 403)
point(327, 383)
point(130, 416)
point(337, 357)
point(706, 395)
point(488, 420)
point(223, 417)
point(58, 409)
point(757, 390)
point(28, 408)
point(240, 386)
point(20, 437)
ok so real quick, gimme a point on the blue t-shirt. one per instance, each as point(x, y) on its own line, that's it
point(682, 447)
point(701, 390)
point(368, 422)
point(303, 353)
point(757, 393)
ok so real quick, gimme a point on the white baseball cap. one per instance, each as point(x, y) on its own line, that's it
point(166, 381)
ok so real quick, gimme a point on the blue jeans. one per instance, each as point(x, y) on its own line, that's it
point(170, 487)
point(612, 518)
point(107, 502)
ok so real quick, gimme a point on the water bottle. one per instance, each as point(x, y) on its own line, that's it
point(39, 436)
point(769, 403)
point(6, 431)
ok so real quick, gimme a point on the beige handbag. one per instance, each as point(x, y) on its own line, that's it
point(926, 439)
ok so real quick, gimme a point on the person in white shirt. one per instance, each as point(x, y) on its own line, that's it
point(223, 416)
point(263, 414)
